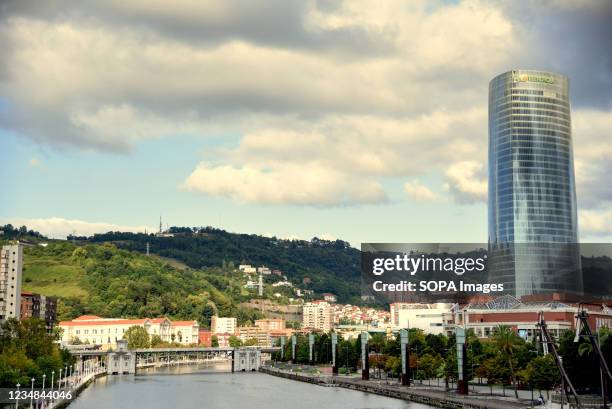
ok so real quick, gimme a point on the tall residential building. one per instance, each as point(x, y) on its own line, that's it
point(223, 325)
point(11, 266)
point(533, 230)
point(318, 315)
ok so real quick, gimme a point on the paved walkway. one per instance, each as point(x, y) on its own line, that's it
point(422, 394)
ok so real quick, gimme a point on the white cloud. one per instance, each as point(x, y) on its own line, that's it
point(595, 223)
point(327, 236)
point(299, 184)
point(339, 159)
point(349, 92)
point(105, 84)
point(592, 157)
point(420, 193)
point(57, 227)
point(467, 182)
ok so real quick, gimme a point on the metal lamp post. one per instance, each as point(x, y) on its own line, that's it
point(43, 388)
point(17, 400)
point(32, 397)
point(52, 377)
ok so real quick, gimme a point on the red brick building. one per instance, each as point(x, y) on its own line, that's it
point(205, 338)
point(523, 316)
point(39, 306)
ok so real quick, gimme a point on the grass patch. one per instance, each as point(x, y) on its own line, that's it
point(48, 276)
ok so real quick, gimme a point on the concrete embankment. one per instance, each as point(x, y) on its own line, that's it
point(426, 396)
point(60, 404)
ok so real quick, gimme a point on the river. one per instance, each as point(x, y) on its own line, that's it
point(215, 388)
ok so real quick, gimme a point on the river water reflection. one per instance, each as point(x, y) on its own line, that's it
point(213, 387)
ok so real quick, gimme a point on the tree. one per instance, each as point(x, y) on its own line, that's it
point(27, 351)
point(214, 341)
point(429, 366)
point(436, 343)
point(250, 342)
point(542, 373)
point(495, 370)
point(506, 341)
point(137, 337)
point(234, 342)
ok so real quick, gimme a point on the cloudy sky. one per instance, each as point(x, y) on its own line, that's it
point(359, 120)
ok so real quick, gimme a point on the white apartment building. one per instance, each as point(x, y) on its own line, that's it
point(107, 331)
point(427, 317)
point(11, 266)
point(223, 325)
point(247, 268)
point(318, 315)
point(264, 270)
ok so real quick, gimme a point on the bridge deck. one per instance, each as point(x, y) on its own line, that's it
point(175, 350)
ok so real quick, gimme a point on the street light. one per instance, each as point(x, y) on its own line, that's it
point(43, 387)
point(32, 396)
point(52, 377)
point(17, 400)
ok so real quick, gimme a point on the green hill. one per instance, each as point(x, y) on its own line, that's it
point(103, 280)
point(331, 266)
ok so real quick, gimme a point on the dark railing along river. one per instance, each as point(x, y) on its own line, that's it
point(214, 388)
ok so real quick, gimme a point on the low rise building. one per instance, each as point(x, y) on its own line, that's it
point(271, 324)
point(427, 317)
point(264, 270)
point(205, 338)
point(247, 269)
point(184, 332)
point(39, 306)
point(261, 335)
point(223, 339)
point(522, 316)
point(329, 297)
point(91, 329)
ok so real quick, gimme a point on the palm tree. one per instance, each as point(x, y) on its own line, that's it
point(586, 348)
point(507, 340)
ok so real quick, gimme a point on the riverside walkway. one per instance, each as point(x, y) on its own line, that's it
point(425, 395)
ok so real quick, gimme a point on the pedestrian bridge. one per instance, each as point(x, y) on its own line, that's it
point(125, 361)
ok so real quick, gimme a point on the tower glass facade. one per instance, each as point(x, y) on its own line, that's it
point(533, 230)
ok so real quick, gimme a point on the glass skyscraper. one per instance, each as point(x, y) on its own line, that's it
point(533, 229)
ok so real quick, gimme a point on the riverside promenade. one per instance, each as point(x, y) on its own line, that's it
point(428, 396)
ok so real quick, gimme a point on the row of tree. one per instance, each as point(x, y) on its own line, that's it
point(504, 359)
point(28, 352)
